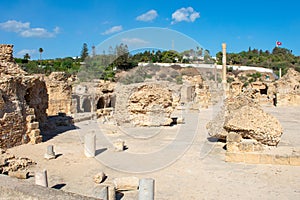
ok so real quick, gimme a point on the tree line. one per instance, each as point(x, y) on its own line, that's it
point(279, 58)
point(106, 64)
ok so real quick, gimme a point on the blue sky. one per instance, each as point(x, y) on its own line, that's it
point(61, 27)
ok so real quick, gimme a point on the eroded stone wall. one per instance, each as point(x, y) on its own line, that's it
point(23, 103)
point(59, 88)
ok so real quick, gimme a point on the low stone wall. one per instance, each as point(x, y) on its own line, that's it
point(252, 152)
point(263, 158)
point(14, 189)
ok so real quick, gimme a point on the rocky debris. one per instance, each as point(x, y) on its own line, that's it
point(288, 89)
point(126, 183)
point(242, 115)
point(119, 145)
point(99, 178)
point(15, 166)
point(19, 174)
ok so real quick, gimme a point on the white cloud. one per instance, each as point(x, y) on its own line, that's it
point(148, 16)
point(113, 29)
point(24, 29)
point(185, 14)
point(37, 32)
point(14, 26)
point(134, 41)
point(24, 51)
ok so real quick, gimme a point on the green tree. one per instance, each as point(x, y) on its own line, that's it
point(84, 52)
point(41, 50)
point(27, 56)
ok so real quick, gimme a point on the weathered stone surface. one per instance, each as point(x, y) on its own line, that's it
point(126, 183)
point(18, 174)
point(254, 123)
point(242, 115)
point(150, 105)
point(10, 163)
point(288, 89)
point(99, 178)
point(146, 104)
point(119, 145)
point(60, 93)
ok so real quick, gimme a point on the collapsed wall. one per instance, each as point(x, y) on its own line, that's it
point(243, 115)
point(59, 86)
point(146, 104)
point(23, 103)
point(288, 89)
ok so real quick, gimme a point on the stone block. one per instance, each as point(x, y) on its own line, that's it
point(233, 137)
point(252, 158)
point(33, 125)
point(246, 146)
point(30, 118)
point(99, 178)
point(234, 157)
point(126, 183)
point(266, 159)
point(18, 174)
point(295, 160)
point(119, 145)
point(36, 140)
point(180, 120)
point(34, 133)
point(232, 147)
point(281, 159)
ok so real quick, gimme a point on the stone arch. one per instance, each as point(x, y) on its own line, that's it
point(101, 103)
point(86, 105)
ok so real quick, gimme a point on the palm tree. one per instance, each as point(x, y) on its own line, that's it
point(41, 51)
point(27, 56)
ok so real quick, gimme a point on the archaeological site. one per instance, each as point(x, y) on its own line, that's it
point(178, 134)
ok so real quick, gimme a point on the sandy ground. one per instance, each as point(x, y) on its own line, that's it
point(186, 169)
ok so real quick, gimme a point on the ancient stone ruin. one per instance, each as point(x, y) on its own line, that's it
point(288, 89)
point(23, 103)
point(59, 88)
point(243, 115)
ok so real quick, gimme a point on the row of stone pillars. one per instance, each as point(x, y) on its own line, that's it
point(146, 187)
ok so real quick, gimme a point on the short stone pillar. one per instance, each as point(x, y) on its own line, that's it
point(146, 189)
point(90, 145)
point(103, 193)
point(119, 145)
point(111, 193)
point(50, 153)
point(41, 178)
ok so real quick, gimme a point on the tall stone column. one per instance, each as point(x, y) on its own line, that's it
point(224, 79)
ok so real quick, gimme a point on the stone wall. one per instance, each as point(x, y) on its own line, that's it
point(59, 89)
point(288, 89)
point(146, 104)
point(23, 103)
point(6, 53)
point(93, 96)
